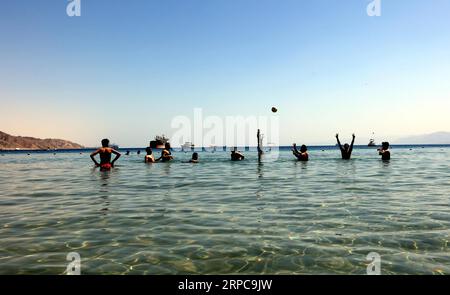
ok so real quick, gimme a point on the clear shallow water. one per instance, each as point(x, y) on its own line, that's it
point(222, 217)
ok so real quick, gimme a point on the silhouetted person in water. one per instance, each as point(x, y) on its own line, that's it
point(105, 156)
point(346, 150)
point(149, 158)
point(166, 154)
point(301, 155)
point(384, 151)
point(260, 151)
point(236, 156)
point(127, 153)
point(194, 158)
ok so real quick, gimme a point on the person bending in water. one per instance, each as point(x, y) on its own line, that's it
point(105, 156)
point(236, 156)
point(149, 157)
point(301, 155)
point(384, 151)
point(346, 150)
point(166, 154)
point(194, 158)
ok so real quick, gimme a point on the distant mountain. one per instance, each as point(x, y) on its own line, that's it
point(8, 142)
point(432, 138)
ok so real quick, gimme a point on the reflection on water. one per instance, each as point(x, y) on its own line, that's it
point(104, 192)
point(222, 217)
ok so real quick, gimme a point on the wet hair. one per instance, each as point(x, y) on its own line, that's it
point(105, 142)
point(346, 146)
point(303, 148)
point(385, 145)
point(195, 156)
point(149, 150)
point(167, 146)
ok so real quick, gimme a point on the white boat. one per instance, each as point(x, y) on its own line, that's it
point(187, 146)
point(372, 141)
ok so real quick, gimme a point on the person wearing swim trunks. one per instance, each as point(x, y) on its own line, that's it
point(105, 156)
point(301, 155)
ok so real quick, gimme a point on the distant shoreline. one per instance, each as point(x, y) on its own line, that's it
point(12, 142)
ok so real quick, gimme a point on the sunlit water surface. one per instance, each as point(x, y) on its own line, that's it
point(223, 217)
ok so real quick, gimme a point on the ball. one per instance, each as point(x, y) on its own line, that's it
point(274, 110)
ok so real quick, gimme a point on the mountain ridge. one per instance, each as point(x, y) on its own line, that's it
point(441, 137)
point(8, 142)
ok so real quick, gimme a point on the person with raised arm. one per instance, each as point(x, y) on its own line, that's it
point(301, 155)
point(346, 150)
point(259, 138)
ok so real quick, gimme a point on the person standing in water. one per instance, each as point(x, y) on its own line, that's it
point(166, 154)
point(236, 156)
point(384, 151)
point(346, 150)
point(149, 158)
point(105, 156)
point(301, 155)
point(259, 138)
point(194, 158)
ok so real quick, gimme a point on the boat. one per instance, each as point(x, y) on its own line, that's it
point(159, 142)
point(187, 146)
point(371, 141)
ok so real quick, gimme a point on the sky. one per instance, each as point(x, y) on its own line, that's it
point(124, 70)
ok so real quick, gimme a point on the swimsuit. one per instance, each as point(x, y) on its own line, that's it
point(105, 166)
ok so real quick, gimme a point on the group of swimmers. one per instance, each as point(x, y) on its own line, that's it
point(346, 150)
point(106, 152)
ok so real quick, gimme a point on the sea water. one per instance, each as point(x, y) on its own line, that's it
point(221, 217)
